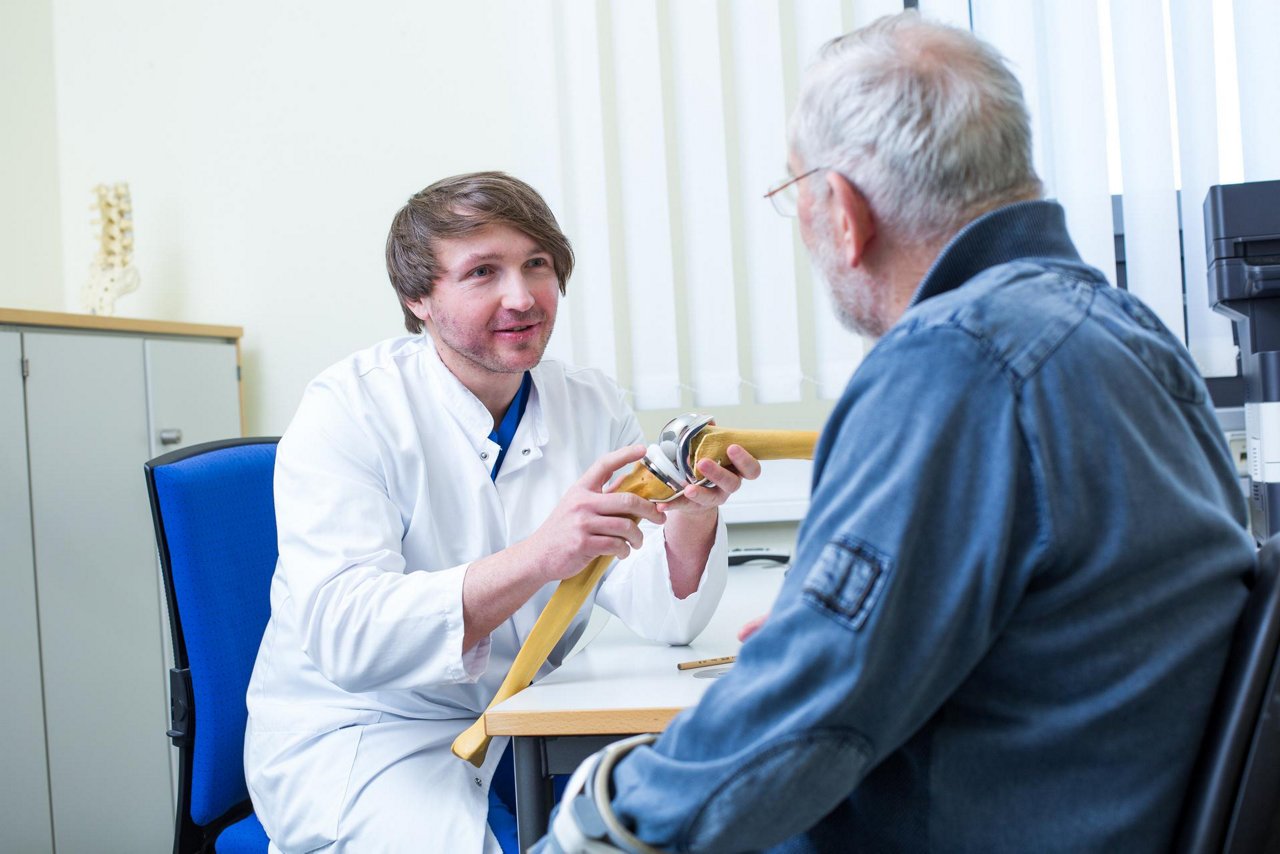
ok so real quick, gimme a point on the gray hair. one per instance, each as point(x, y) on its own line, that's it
point(925, 119)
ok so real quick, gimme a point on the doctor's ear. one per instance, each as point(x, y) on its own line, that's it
point(853, 224)
point(421, 308)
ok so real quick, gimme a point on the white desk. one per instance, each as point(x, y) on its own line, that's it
point(618, 685)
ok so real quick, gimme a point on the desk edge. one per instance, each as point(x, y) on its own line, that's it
point(579, 721)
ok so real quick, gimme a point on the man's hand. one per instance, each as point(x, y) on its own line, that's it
point(691, 531)
point(750, 627)
point(589, 521)
point(705, 499)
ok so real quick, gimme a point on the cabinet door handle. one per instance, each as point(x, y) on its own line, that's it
point(170, 437)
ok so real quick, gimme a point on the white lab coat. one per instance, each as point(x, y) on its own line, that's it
point(383, 497)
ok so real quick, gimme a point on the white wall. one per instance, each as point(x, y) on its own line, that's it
point(30, 244)
point(267, 146)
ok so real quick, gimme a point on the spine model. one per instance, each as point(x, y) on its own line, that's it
point(111, 274)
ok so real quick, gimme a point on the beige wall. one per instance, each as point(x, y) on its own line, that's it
point(267, 146)
point(30, 244)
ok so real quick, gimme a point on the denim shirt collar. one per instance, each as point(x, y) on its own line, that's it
point(1035, 229)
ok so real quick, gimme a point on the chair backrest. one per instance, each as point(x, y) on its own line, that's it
point(214, 512)
point(1233, 804)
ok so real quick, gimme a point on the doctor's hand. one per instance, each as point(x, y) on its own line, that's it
point(704, 499)
point(590, 522)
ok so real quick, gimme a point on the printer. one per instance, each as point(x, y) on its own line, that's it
point(1242, 239)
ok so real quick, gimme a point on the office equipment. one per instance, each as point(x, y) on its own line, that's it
point(1233, 804)
point(1242, 237)
point(668, 466)
point(215, 527)
point(748, 554)
point(82, 403)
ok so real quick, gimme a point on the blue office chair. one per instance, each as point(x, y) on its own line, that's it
point(1233, 804)
point(215, 520)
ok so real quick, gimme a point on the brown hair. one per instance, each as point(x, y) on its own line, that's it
point(458, 206)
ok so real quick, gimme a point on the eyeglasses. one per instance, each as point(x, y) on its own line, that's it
point(786, 195)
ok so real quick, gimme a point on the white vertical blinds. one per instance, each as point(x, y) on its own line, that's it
point(642, 188)
point(1057, 50)
point(586, 212)
point(668, 123)
point(1257, 22)
point(1075, 128)
point(1153, 265)
point(760, 140)
point(704, 235)
point(954, 12)
point(654, 126)
point(1195, 75)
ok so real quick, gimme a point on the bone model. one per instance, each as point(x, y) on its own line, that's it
point(111, 274)
point(669, 465)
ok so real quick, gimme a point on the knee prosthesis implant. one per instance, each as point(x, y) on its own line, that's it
point(667, 467)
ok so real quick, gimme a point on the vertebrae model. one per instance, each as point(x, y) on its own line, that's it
point(111, 274)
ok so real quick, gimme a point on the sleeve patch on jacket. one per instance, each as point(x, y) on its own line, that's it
point(847, 581)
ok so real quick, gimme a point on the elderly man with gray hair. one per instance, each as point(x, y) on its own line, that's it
point(1014, 592)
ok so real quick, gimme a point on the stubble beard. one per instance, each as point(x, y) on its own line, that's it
point(478, 350)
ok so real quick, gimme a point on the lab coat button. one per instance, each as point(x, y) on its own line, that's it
point(484, 455)
point(525, 452)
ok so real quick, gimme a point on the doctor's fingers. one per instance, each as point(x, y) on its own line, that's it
point(627, 504)
point(611, 546)
point(585, 544)
point(599, 472)
point(743, 463)
point(727, 481)
point(618, 528)
point(702, 497)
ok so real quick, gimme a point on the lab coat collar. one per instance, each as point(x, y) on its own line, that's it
point(531, 434)
point(472, 415)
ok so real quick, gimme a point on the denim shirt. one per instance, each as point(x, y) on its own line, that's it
point(1012, 597)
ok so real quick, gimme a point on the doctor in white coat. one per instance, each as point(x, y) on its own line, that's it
point(430, 493)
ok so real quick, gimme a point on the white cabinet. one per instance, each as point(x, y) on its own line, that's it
point(88, 629)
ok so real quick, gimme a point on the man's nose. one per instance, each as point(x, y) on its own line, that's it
point(516, 294)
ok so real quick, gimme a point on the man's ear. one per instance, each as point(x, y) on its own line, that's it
point(851, 219)
point(421, 308)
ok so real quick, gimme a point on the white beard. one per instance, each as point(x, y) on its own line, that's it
point(859, 304)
